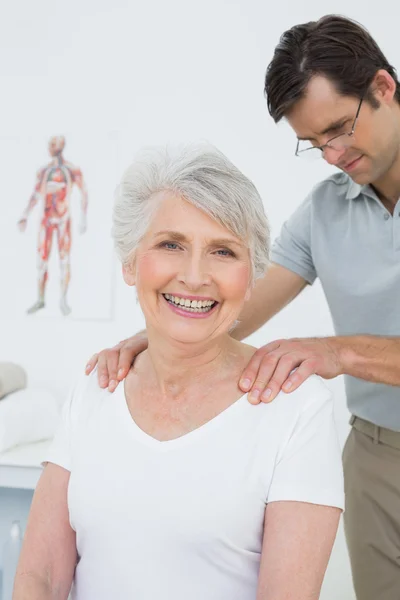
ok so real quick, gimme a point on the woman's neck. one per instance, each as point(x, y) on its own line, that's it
point(174, 368)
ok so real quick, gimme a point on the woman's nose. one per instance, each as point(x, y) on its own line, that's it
point(195, 273)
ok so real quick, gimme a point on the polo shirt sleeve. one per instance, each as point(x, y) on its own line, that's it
point(309, 465)
point(292, 248)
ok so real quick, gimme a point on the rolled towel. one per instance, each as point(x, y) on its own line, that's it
point(12, 378)
point(28, 416)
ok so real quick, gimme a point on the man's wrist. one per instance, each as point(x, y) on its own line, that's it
point(345, 348)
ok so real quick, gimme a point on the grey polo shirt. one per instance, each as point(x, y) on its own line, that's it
point(344, 235)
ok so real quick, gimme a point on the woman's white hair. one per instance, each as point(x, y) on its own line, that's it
point(201, 175)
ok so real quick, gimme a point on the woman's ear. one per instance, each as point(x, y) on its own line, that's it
point(129, 273)
point(248, 293)
point(249, 290)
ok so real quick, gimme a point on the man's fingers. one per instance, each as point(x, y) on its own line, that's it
point(274, 369)
point(284, 367)
point(91, 364)
point(265, 372)
point(107, 362)
point(126, 359)
point(128, 353)
point(250, 374)
point(305, 370)
point(114, 363)
point(109, 371)
point(280, 365)
point(102, 369)
point(112, 357)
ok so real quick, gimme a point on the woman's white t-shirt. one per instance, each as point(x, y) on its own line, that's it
point(184, 518)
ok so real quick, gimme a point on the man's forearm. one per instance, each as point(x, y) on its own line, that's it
point(270, 294)
point(369, 357)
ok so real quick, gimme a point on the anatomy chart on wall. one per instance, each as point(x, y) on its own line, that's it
point(57, 257)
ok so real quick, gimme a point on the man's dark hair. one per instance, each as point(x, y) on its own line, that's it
point(335, 47)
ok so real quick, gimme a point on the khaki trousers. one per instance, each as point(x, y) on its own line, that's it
point(371, 460)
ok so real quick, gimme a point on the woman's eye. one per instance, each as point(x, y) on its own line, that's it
point(169, 245)
point(224, 252)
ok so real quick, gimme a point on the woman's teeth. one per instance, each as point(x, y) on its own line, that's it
point(190, 305)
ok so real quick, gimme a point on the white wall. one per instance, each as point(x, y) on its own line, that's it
point(154, 72)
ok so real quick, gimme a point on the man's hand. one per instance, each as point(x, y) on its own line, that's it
point(114, 363)
point(270, 368)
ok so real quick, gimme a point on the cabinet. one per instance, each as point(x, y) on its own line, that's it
point(20, 470)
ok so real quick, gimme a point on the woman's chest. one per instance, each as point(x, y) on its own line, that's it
point(200, 491)
point(170, 419)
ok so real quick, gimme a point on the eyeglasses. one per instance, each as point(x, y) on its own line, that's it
point(339, 142)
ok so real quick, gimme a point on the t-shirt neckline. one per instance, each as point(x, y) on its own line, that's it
point(186, 438)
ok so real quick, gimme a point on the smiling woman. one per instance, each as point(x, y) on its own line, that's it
point(176, 486)
point(205, 273)
point(189, 224)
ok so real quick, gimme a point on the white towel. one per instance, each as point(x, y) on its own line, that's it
point(27, 416)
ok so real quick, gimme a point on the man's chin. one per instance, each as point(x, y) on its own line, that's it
point(361, 178)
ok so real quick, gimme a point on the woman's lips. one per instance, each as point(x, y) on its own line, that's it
point(187, 313)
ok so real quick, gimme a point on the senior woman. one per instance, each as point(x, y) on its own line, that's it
point(175, 486)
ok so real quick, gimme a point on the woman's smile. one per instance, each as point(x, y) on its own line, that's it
point(185, 306)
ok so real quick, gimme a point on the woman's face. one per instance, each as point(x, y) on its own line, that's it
point(192, 275)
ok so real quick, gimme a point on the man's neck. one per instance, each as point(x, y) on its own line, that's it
point(387, 187)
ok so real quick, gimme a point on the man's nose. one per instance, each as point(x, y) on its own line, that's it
point(333, 155)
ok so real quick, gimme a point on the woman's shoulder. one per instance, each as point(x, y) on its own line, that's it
point(85, 396)
point(311, 397)
point(310, 402)
point(313, 390)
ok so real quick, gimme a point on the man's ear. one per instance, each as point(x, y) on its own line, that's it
point(384, 86)
point(129, 273)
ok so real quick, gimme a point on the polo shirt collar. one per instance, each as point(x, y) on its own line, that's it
point(355, 190)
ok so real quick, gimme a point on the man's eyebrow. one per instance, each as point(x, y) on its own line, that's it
point(331, 127)
point(335, 125)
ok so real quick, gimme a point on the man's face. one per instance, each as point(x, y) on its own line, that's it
point(324, 114)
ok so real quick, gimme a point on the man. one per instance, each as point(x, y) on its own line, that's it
point(340, 95)
point(54, 186)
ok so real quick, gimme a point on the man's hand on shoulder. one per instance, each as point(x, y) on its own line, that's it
point(270, 369)
point(113, 364)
